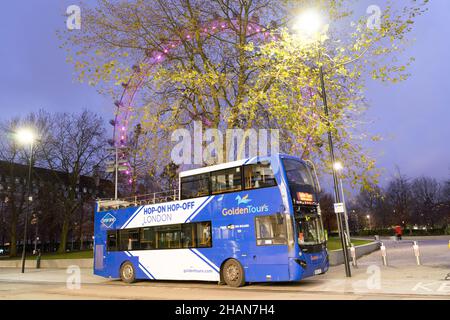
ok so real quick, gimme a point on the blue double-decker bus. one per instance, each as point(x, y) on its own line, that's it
point(252, 220)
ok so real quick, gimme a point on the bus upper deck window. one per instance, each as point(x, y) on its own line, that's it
point(258, 176)
point(195, 186)
point(227, 180)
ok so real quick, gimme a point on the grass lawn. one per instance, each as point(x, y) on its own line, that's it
point(335, 243)
point(87, 254)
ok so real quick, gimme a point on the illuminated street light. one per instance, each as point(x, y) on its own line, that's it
point(308, 23)
point(26, 136)
point(310, 28)
point(338, 166)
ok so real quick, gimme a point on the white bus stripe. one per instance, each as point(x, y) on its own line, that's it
point(206, 259)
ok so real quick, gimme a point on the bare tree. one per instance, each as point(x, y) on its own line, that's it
point(75, 146)
point(399, 196)
point(426, 194)
point(12, 154)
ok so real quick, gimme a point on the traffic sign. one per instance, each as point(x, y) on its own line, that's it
point(339, 207)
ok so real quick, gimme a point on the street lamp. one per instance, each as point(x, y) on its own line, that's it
point(338, 167)
point(311, 24)
point(27, 136)
point(368, 219)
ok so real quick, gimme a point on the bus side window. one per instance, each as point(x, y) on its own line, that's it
point(258, 176)
point(203, 234)
point(129, 239)
point(112, 240)
point(187, 235)
point(148, 238)
point(270, 230)
point(195, 186)
point(226, 180)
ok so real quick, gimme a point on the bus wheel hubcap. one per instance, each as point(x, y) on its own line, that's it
point(127, 272)
point(232, 273)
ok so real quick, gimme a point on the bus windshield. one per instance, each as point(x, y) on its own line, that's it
point(310, 229)
point(297, 173)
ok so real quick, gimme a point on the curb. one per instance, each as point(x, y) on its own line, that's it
point(49, 264)
point(337, 257)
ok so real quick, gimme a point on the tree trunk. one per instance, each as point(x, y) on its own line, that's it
point(63, 237)
point(81, 227)
point(13, 237)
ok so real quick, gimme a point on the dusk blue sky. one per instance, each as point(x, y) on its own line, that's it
point(412, 116)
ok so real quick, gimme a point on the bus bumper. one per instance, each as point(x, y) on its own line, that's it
point(308, 265)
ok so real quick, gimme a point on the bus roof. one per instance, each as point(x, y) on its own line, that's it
point(232, 164)
point(216, 167)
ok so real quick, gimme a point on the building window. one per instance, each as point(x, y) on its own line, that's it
point(227, 180)
point(270, 230)
point(259, 176)
point(195, 186)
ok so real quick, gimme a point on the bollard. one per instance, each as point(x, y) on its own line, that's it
point(353, 255)
point(449, 244)
point(38, 260)
point(383, 254)
point(416, 252)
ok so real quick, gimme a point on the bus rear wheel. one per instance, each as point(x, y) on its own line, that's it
point(233, 273)
point(127, 272)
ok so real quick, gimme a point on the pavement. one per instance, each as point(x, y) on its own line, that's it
point(401, 279)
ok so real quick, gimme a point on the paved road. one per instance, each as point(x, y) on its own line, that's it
point(402, 279)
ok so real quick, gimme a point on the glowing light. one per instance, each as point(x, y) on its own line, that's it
point(338, 166)
point(25, 136)
point(166, 51)
point(308, 23)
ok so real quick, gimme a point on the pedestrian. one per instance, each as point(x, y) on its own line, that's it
point(398, 232)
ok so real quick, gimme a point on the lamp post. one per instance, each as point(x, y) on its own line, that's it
point(4, 203)
point(368, 221)
point(339, 167)
point(310, 24)
point(27, 137)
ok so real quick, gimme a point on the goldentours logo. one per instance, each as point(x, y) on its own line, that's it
point(245, 209)
point(243, 200)
point(108, 220)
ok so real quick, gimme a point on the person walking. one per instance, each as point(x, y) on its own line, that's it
point(398, 232)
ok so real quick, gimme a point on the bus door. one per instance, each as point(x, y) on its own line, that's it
point(269, 252)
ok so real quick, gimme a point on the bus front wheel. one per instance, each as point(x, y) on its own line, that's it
point(127, 272)
point(233, 273)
